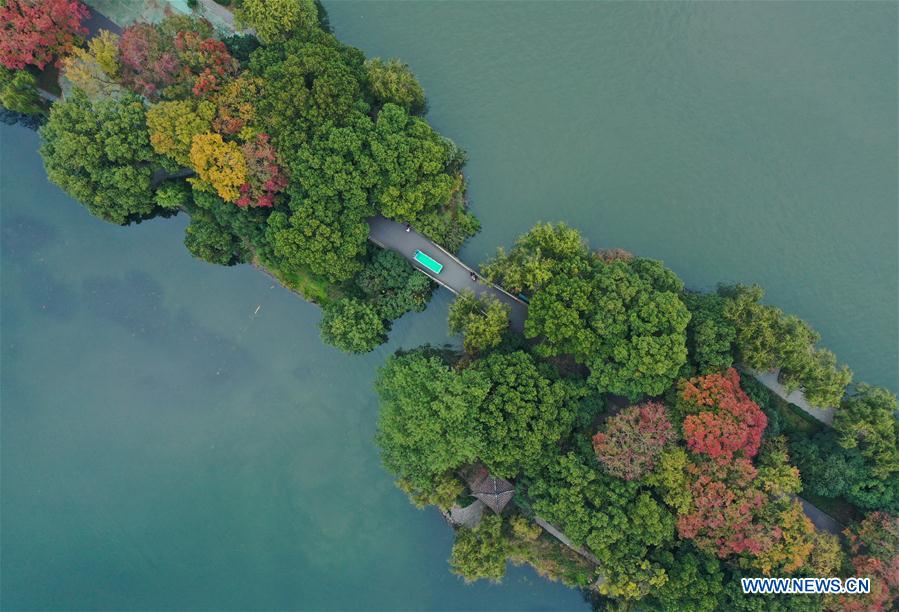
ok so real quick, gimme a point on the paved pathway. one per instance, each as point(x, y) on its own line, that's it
point(769, 379)
point(455, 276)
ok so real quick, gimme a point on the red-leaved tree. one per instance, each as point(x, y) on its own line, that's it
point(35, 32)
point(724, 513)
point(724, 422)
point(174, 59)
point(205, 61)
point(874, 544)
point(633, 439)
point(266, 178)
point(148, 61)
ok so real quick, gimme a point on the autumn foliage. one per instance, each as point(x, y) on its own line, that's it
point(633, 440)
point(724, 508)
point(173, 59)
point(265, 176)
point(874, 544)
point(725, 423)
point(36, 32)
point(220, 166)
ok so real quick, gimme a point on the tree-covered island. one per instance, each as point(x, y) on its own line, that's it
point(618, 442)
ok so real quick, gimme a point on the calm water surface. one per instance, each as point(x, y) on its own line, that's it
point(164, 447)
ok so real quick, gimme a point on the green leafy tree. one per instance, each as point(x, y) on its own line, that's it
point(631, 335)
point(621, 524)
point(18, 92)
point(670, 479)
point(757, 326)
point(308, 83)
point(319, 238)
point(766, 339)
point(524, 416)
point(392, 82)
point(95, 70)
point(444, 492)
point(695, 581)
point(829, 470)
point(173, 194)
point(481, 552)
point(427, 424)
point(326, 229)
point(100, 154)
point(482, 322)
point(867, 420)
point(277, 20)
point(641, 334)
point(393, 286)
point(538, 256)
point(353, 326)
point(710, 335)
point(210, 242)
point(417, 167)
point(656, 274)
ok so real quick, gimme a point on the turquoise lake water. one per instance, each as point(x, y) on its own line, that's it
point(163, 447)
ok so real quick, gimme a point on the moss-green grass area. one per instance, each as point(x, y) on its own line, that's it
point(551, 559)
point(309, 286)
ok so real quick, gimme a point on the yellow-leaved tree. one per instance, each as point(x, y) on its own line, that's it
point(95, 70)
point(220, 166)
point(174, 124)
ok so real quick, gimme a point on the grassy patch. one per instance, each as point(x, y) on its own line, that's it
point(309, 286)
point(551, 559)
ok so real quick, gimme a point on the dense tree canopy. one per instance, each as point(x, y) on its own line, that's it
point(695, 581)
point(767, 339)
point(308, 82)
point(617, 521)
point(208, 241)
point(95, 70)
point(482, 322)
point(612, 318)
point(353, 326)
point(874, 544)
point(724, 517)
point(18, 92)
point(524, 416)
point(830, 470)
point(173, 126)
point(867, 420)
point(37, 32)
point(721, 422)
point(392, 82)
point(710, 335)
point(220, 166)
point(100, 154)
point(176, 58)
point(416, 165)
point(278, 20)
point(539, 255)
point(426, 425)
point(480, 552)
point(393, 285)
